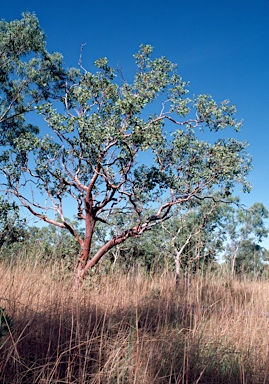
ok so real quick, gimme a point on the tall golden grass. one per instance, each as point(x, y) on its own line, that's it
point(132, 329)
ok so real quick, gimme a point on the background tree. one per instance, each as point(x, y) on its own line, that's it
point(246, 231)
point(12, 227)
point(196, 233)
point(192, 239)
point(147, 253)
point(106, 150)
point(56, 242)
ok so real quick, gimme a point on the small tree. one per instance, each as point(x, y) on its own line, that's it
point(246, 231)
point(12, 227)
point(197, 233)
point(106, 150)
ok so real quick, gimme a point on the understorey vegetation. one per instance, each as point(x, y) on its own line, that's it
point(132, 328)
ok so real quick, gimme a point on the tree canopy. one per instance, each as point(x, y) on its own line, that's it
point(29, 74)
point(105, 148)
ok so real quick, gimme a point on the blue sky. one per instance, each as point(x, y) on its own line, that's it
point(221, 47)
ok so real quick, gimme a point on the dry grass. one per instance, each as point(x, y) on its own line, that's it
point(132, 329)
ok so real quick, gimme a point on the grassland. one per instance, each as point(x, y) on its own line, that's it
point(132, 329)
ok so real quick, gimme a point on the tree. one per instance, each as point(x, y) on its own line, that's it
point(197, 233)
point(28, 75)
point(55, 242)
point(246, 231)
point(108, 152)
point(250, 258)
point(12, 227)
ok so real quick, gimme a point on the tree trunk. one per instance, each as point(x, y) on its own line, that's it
point(177, 263)
point(84, 265)
point(85, 249)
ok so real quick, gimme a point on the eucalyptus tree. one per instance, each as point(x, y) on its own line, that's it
point(29, 74)
point(197, 233)
point(247, 229)
point(12, 227)
point(105, 149)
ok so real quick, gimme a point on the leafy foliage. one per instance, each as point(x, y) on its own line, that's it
point(28, 75)
point(12, 227)
point(56, 244)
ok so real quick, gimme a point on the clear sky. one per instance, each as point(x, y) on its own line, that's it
point(221, 47)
